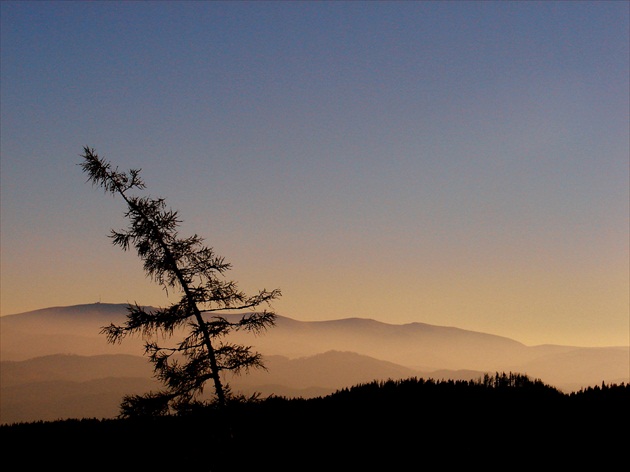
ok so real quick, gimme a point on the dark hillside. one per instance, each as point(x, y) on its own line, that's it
point(498, 423)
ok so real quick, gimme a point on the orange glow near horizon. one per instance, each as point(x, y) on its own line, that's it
point(453, 163)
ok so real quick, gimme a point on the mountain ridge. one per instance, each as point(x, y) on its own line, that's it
point(119, 311)
point(417, 346)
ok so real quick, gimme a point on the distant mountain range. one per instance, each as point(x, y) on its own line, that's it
point(56, 364)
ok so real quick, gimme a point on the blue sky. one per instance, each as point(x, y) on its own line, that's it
point(455, 163)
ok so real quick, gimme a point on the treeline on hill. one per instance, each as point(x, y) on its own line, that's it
point(499, 421)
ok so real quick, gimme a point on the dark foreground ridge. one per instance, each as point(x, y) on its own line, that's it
point(497, 422)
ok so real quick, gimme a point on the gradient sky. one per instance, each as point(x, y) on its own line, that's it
point(454, 163)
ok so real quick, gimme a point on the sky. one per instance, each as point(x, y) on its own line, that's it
point(454, 163)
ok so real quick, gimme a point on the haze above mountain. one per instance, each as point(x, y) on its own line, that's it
point(45, 353)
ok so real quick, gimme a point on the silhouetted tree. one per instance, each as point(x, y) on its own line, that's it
point(193, 269)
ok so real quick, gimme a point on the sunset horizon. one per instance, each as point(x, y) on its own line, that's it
point(459, 164)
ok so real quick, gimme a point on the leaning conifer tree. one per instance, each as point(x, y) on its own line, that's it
point(189, 267)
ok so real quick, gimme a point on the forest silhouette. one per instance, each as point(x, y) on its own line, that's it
point(500, 420)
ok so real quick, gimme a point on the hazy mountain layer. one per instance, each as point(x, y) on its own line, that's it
point(69, 386)
point(303, 358)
